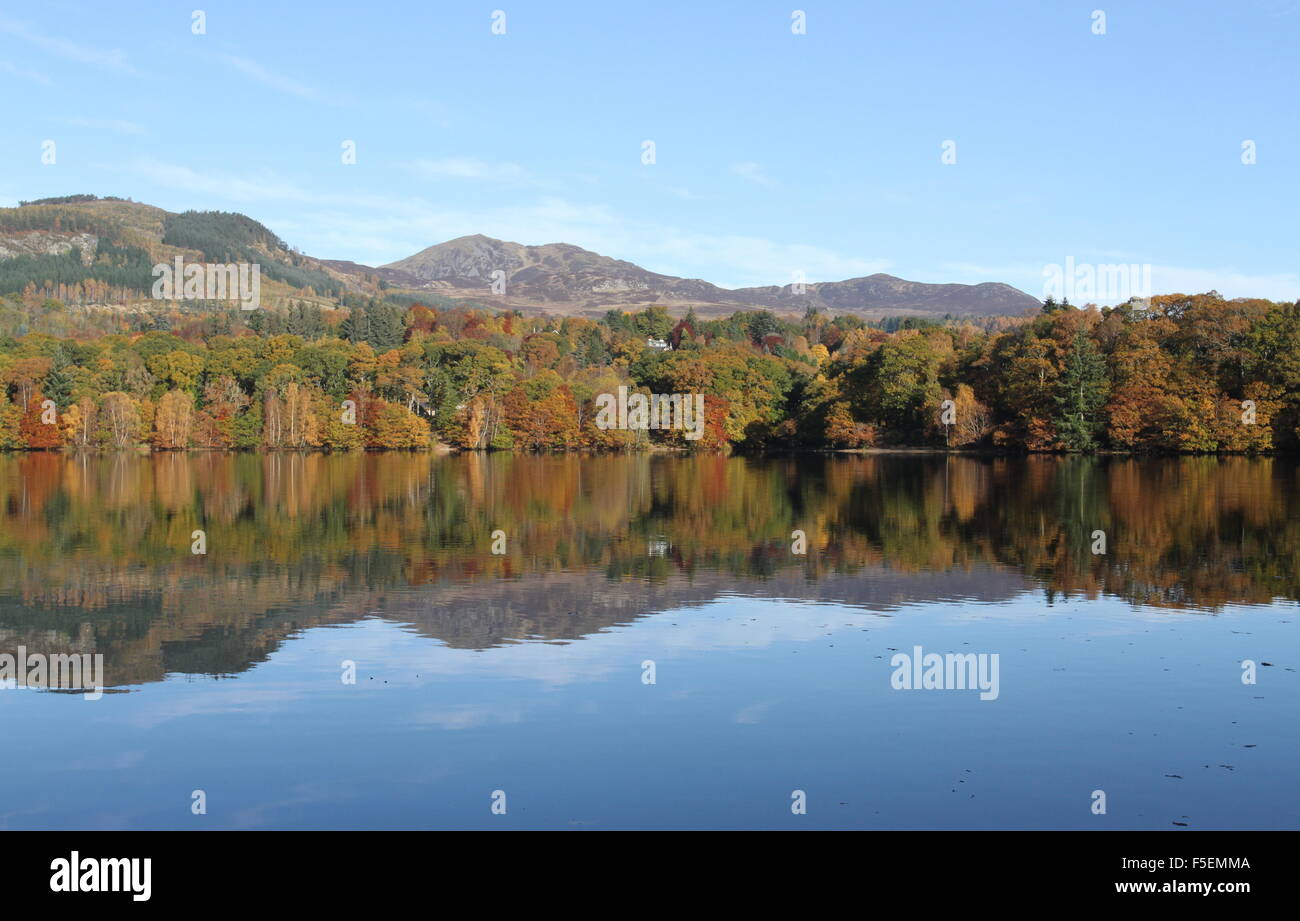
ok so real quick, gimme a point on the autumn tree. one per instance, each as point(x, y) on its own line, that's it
point(40, 424)
point(119, 420)
point(173, 421)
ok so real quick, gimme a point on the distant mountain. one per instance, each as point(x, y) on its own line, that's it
point(102, 249)
point(565, 277)
point(552, 272)
point(887, 292)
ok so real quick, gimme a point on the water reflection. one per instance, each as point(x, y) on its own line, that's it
point(95, 552)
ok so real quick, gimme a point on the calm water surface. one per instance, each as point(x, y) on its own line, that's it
point(525, 671)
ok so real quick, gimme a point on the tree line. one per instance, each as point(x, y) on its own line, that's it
point(1177, 373)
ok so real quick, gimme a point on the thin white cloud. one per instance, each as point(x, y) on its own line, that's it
point(262, 187)
point(116, 125)
point(735, 261)
point(1280, 7)
point(1277, 286)
point(376, 229)
point(105, 58)
point(222, 187)
point(973, 272)
point(429, 109)
point(1165, 279)
point(468, 168)
point(753, 172)
point(279, 82)
point(23, 74)
point(727, 260)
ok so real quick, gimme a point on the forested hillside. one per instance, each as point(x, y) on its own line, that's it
point(1183, 374)
point(80, 249)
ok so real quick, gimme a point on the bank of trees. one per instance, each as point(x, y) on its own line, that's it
point(1179, 374)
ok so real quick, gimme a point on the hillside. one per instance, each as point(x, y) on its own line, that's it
point(81, 249)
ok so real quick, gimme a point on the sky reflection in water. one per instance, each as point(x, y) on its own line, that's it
point(524, 673)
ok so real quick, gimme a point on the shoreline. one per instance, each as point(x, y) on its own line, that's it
point(446, 450)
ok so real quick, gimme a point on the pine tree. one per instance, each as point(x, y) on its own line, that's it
point(58, 383)
point(356, 326)
point(387, 330)
point(313, 322)
point(1081, 392)
point(594, 353)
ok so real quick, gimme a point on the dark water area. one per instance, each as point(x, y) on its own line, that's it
point(650, 642)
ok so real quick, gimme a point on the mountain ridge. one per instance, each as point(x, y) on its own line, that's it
point(568, 274)
point(120, 238)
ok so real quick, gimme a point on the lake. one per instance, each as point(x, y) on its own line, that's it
point(498, 641)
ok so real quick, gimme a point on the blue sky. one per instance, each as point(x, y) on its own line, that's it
point(775, 153)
